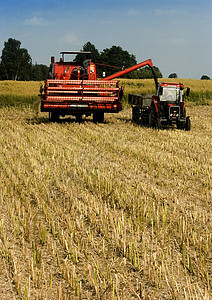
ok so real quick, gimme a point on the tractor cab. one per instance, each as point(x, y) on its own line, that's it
point(170, 92)
point(170, 104)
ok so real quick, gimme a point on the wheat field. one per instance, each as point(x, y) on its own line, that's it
point(104, 211)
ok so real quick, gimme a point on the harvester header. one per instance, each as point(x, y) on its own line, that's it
point(74, 89)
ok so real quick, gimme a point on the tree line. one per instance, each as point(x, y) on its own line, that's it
point(16, 63)
point(114, 59)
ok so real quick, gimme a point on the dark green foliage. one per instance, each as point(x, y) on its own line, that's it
point(16, 62)
point(39, 72)
point(173, 75)
point(88, 47)
point(146, 73)
point(115, 59)
point(205, 77)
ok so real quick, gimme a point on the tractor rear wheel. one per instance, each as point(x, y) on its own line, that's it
point(151, 118)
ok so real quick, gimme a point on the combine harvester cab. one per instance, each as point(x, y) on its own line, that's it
point(73, 89)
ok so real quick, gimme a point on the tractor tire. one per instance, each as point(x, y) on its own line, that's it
point(188, 124)
point(151, 118)
point(98, 117)
point(179, 125)
point(135, 114)
point(53, 116)
point(158, 123)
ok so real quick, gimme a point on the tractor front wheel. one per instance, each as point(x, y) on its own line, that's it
point(188, 124)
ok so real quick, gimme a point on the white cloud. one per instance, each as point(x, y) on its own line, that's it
point(35, 21)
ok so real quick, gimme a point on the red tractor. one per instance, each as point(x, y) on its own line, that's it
point(73, 89)
point(166, 108)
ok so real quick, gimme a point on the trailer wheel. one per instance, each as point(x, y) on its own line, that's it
point(188, 124)
point(98, 117)
point(53, 116)
point(135, 114)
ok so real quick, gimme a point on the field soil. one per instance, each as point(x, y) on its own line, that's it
point(104, 211)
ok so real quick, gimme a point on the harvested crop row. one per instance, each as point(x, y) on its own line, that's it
point(99, 211)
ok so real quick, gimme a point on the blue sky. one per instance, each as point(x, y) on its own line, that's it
point(176, 35)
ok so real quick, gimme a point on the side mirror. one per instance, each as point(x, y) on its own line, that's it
point(188, 92)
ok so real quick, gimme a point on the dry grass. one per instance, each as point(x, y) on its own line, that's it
point(108, 211)
point(19, 88)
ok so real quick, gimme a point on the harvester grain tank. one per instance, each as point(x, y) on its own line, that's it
point(73, 89)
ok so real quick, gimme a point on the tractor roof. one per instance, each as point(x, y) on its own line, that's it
point(75, 52)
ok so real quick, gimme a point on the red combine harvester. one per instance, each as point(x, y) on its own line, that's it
point(73, 89)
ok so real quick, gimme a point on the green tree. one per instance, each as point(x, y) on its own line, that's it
point(205, 77)
point(39, 72)
point(16, 62)
point(173, 75)
point(146, 72)
point(88, 47)
point(114, 59)
point(117, 57)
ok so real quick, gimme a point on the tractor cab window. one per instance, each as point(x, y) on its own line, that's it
point(170, 94)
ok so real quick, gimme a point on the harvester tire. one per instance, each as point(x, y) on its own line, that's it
point(53, 116)
point(98, 117)
point(79, 118)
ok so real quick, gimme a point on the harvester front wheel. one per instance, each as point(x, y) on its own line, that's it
point(98, 117)
point(79, 118)
point(53, 116)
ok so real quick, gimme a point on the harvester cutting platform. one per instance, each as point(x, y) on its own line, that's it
point(73, 89)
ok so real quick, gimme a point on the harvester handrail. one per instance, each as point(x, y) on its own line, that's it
point(82, 82)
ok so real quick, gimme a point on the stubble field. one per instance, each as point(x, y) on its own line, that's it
point(104, 211)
